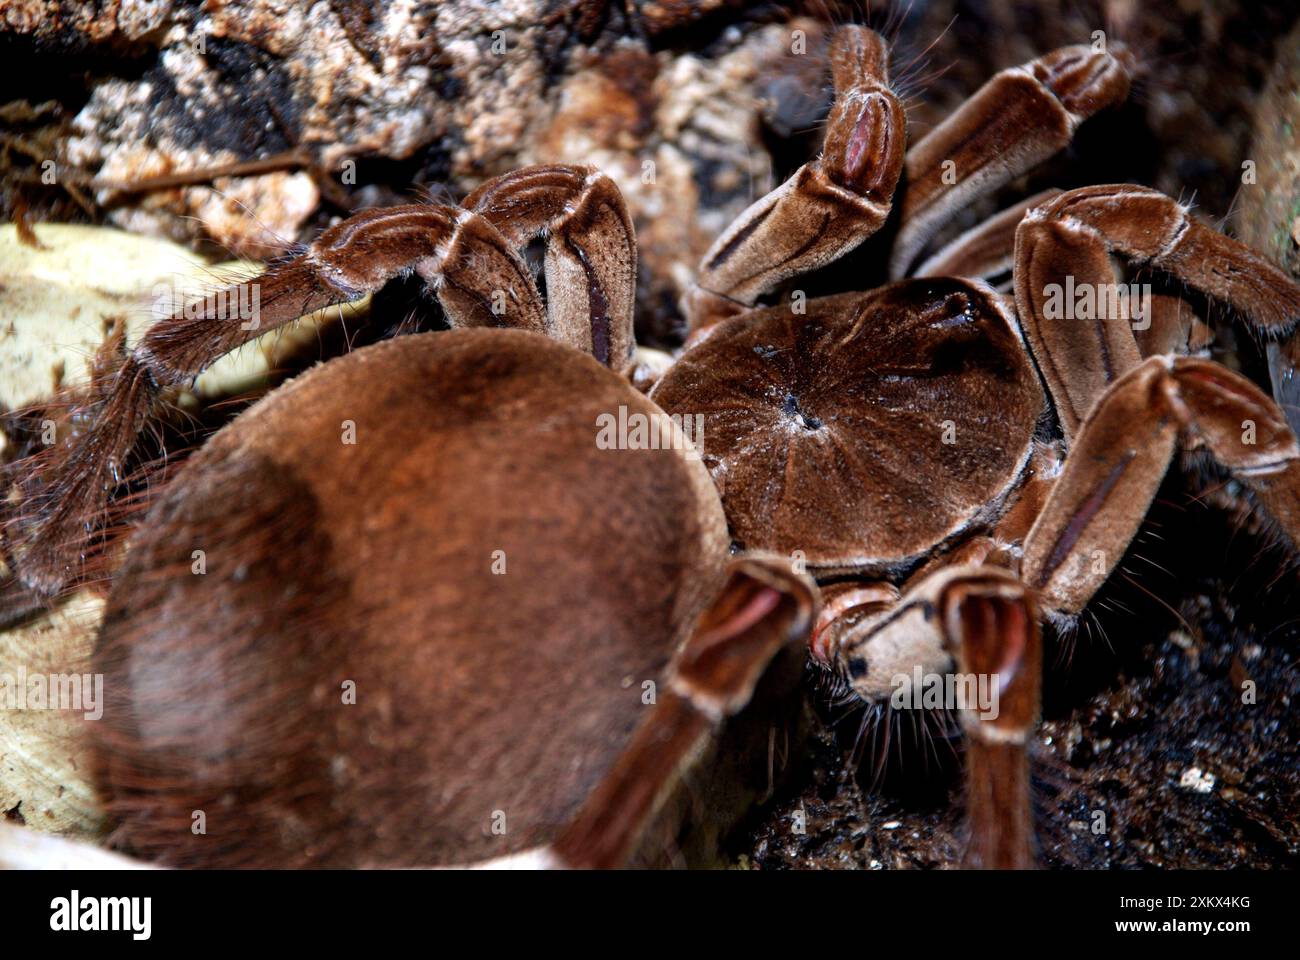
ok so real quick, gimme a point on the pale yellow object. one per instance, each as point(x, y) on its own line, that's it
point(59, 301)
point(22, 849)
point(44, 764)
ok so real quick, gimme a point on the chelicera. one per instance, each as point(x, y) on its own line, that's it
point(951, 464)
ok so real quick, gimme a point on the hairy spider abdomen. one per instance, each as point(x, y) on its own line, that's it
point(399, 613)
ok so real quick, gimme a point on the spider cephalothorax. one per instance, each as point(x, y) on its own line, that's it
point(942, 457)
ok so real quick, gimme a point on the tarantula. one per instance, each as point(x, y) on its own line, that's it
point(950, 464)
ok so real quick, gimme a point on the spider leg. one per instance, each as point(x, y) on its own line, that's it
point(478, 277)
point(64, 492)
point(992, 622)
point(1121, 455)
point(842, 604)
point(829, 206)
point(762, 610)
point(1174, 328)
point(1018, 119)
point(590, 251)
point(987, 249)
point(1067, 245)
point(978, 625)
